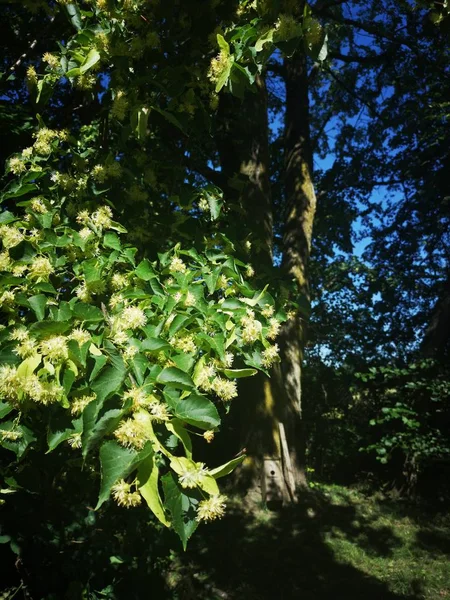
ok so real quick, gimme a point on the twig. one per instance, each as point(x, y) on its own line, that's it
point(30, 48)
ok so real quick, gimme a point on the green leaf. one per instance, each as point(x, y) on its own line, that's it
point(62, 312)
point(264, 39)
point(94, 431)
point(5, 409)
point(178, 323)
point(145, 270)
point(148, 475)
point(176, 378)
point(223, 44)
point(217, 343)
point(223, 77)
point(107, 383)
point(170, 117)
point(100, 361)
point(176, 427)
point(7, 217)
point(117, 463)
point(227, 468)
point(112, 240)
point(92, 270)
point(69, 377)
point(91, 59)
point(155, 344)
point(47, 328)
point(86, 312)
point(29, 366)
point(182, 505)
point(215, 202)
point(196, 410)
point(55, 438)
point(236, 373)
point(140, 365)
point(19, 446)
point(211, 279)
point(73, 12)
point(38, 304)
point(18, 189)
point(185, 362)
point(142, 115)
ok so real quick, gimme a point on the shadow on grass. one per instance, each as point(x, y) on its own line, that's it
point(283, 555)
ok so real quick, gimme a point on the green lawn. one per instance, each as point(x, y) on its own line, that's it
point(336, 544)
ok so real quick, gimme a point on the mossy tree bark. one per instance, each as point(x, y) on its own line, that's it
point(268, 412)
point(300, 202)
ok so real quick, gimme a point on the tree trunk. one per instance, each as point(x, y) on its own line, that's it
point(437, 334)
point(300, 209)
point(268, 412)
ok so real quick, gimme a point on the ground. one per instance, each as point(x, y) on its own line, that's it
point(337, 543)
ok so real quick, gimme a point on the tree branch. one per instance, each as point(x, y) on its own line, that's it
point(30, 48)
point(363, 60)
point(352, 92)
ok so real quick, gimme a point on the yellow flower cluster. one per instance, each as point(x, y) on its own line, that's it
point(55, 349)
point(51, 60)
point(13, 387)
point(213, 508)
point(38, 206)
point(41, 269)
point(119, 281)
point(17, 165)
point(189, 300)
point(209, 435)
point(44, 138)
point(205, 376)
point(102, 218)
point(224, 388)
point(27, 348)
point(10, 435)
point(7, 298)
point(184, 343)
point(120, 106)
point(274, 329)
point(267, 311)
point(123, 495)
point(5, 262)
point(132, 317)
point(270, 356)
point(75, 441)
point(79, 404)
point(98, 220)
point(10, 236)
point(158, 412)
point(251, 327)
point(131, 434)
point(177, 265)
point(217, 66)
point(99, 173)
point(80, 335)
point(32, 76)
point(86, 82)
point(287, 28)
point(190, 478)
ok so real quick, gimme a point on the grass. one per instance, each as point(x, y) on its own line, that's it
point(336, 543)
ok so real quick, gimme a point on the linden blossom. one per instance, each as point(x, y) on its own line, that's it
point(123, 495)
point(270, 356)
point(213, 508)
point(190, 478)
point(224, 388)
point(177, 265)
